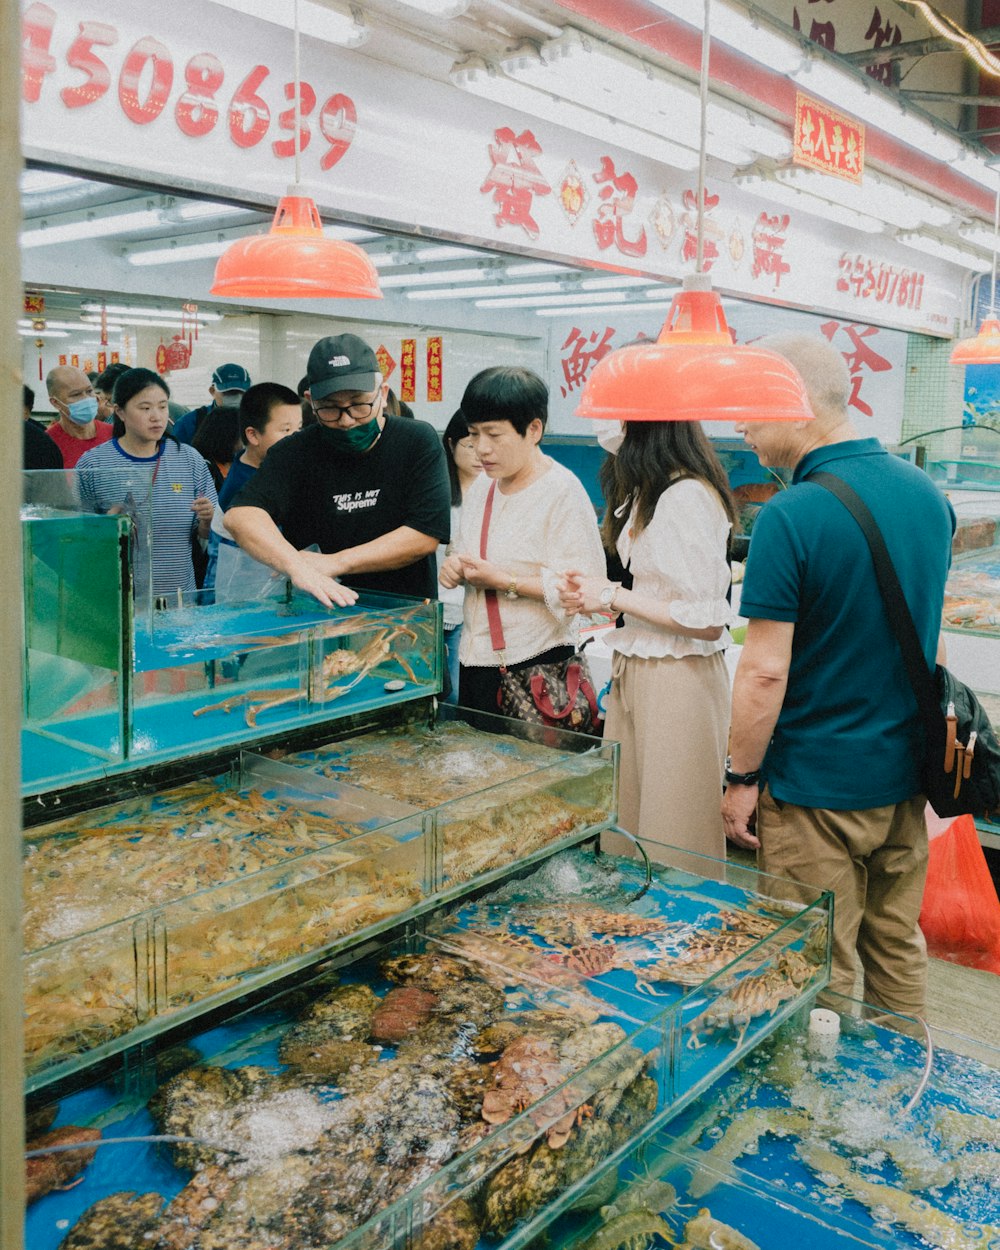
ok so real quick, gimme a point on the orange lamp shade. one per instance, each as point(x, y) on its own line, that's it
point(686, 377)
point(984, 349)
point(295, 260)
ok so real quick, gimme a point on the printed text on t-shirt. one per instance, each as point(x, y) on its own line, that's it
point(354, 501)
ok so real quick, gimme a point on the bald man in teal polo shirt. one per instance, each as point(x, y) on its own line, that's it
point(826, 736)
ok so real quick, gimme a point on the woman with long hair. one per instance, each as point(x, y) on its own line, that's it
point(145, 473)
point(463, 469)
point(669, 514)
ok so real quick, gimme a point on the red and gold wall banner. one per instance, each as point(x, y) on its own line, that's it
point(34, 304)
point(102, 361)
point(827, 140)
point(408, 371)
point(385, 361)
point(74, 360)
point(434, 369)
point(115, 358)
point(63, 360)
point(161, 358)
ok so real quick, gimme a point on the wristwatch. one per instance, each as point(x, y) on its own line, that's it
point(607, 596)
point(511, 591)
point(752, 778)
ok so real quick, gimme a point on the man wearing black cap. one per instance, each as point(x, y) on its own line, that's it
point(229, 383)
point(370, 490)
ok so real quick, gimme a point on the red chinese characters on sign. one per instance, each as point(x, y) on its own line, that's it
point(689, 218)
point(115, 358)
point(408, 371)
point(828, 140)
point(581, 354)
point(147, 80)
point(63, 360)
point(515, 179)
point(617, 196)
point(823, 33)
point(434, 369)
point(768, 242)
point(102, 361)
point(865, 278)
point(385, 361)
point(861, 357)
point(74, 360)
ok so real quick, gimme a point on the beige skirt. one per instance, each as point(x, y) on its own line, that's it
point(671, 717)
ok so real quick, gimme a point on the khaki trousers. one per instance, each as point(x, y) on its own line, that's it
point(875, 862)
point(672, 719)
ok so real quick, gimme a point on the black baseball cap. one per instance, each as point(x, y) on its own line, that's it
point(231, 378)
point(342, 362)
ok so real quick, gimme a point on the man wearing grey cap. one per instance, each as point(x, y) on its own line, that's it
point(229, 384)
point(370, 490)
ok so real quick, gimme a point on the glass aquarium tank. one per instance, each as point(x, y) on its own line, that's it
point(77, 656)
point(860, 1129)
point(236, 672)
point(462, 1080)
point(497, 791)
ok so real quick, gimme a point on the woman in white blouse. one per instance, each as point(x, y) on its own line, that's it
point(540, 523)
point(669, 513)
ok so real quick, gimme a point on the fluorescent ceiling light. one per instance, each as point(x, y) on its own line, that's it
point(340, 25)
point(350, 234)
point(182, 252)
point(531, 268)
point(612, 283)
point(444, 252)
point(602, 308)
point(576, 300)
point(34, 181)
point(604, 78)
point(25, 323)
point(943, 250)
point(141, 310)
point(438, 8)
point(857, 94)
point(193, 210)
point(513, 288)
point(89, 227)
point(737, 29)
point(491, 83)
point(876, 196)
point(789, 197)
point(438, 278)
point(43, 334)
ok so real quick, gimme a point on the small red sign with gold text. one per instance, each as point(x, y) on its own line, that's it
point(828, 140)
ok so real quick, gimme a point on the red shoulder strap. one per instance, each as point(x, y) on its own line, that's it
point(492, 606)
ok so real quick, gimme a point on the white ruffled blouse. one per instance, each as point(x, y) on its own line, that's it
point(680, 560)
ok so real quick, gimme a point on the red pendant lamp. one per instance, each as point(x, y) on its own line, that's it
point(984, 349)
point(295, 259)
point(694, 371)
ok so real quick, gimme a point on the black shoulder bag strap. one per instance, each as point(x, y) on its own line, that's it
point(897, 610)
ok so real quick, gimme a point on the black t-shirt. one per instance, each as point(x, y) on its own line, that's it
point(318, 494)
point(40, 452)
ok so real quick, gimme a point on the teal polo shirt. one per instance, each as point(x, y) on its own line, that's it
point(848, 736)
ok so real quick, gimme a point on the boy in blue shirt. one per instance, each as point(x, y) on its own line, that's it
point(269, 412)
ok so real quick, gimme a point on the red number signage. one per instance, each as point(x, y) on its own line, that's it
point(874, 280)
point(150, 83)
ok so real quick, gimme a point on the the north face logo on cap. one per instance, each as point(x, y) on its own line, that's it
point(337, 361)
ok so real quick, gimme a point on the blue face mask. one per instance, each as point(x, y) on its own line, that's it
point(83, 411)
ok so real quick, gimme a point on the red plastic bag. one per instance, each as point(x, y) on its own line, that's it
point(960, 916)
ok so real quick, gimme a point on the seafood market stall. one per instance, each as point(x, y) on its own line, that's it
point(313, 961)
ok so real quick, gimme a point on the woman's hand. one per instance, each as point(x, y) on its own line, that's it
point(203, 508)
point(483, 575)
point(450, 574)
point(579, 595)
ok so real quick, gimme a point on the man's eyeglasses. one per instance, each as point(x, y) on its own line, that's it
point(357, 412)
